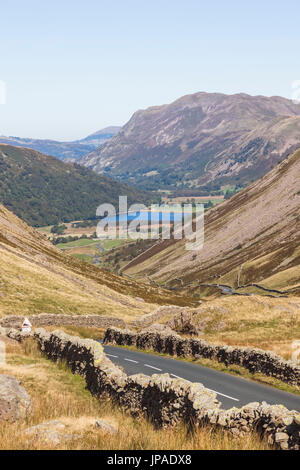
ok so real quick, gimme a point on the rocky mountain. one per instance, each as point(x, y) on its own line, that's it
point(201, 141)
point(254, 237)
point(43, 190)
point(100, 137)
point(38, 278)
point(68, 151)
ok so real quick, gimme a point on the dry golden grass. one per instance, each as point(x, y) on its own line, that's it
point(81, 331)
point(27, 288)
point(36, 277)
point(57, 394)
point(256, 321)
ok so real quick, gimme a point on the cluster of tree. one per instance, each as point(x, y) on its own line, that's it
point(58, 229)
point(230, 192)
point(85, 223)
point(71, 238)
point(208, 205)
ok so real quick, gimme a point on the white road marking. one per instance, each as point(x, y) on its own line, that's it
point(218, 393)
point(152, 367)
point(222, 394)
point(177, 377)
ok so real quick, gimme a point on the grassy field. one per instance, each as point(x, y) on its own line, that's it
point(81, 331)
point(46, 229)
point(57, 394)
point(197, 199)
point(111, 255)
point(76, 243)
point(27, 288)
point(256, 321)
point(93, 251)
point(105, 244)
point(83, 257)
point(91, 243)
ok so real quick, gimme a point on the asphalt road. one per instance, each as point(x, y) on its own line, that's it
point(231, 390)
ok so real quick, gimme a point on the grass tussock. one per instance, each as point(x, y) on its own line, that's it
point(57, 394)
point(81, 331)
point(27, 288)
point(256, 321)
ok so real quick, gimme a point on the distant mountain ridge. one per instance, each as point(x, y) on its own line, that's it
point(42, 190)
point(67, 151)
point(203, 140)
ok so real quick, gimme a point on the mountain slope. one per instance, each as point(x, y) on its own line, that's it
point(68, 151)
point(201, 140)
point(35, 277)
point(254, 237)
point(100, 137)
point(42, 190)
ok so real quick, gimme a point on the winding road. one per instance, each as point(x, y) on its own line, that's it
point(231, 390)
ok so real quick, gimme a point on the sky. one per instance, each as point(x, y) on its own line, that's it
point(73, 67)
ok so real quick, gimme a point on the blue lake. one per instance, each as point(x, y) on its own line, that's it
point(144, 216)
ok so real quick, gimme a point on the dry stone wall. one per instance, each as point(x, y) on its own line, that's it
point(52, 319)
point(163, 400)
point(158, 314)
point(254, 360)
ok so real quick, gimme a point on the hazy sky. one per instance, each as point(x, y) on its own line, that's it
point(73, 67)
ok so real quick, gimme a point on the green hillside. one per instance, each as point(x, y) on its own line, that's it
point(42, 190)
